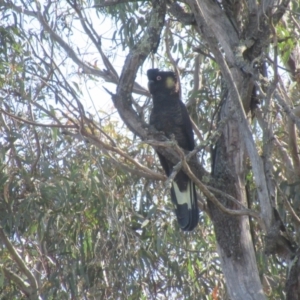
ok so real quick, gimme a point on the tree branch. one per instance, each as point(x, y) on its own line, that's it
point(181, 16)
point(203, 188)
point(106, 3)
point(95, 38)
point(244, 128)
point(287, 109)
point(206, 12)
point(293, 145)
point(139, 169)
point(288, 205)
point(107, 76)
point(35, 123)
point(25, 288)
point(211, 197)
point(149, 42)
point(18, 260)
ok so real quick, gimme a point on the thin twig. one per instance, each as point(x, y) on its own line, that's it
point(35, 123)
point(211, 197)
point(96, 141)
point(288, 205)
point(203, 188)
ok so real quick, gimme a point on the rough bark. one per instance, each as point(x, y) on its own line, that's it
point(233, 235)
point(293, 282)
point(235, 244)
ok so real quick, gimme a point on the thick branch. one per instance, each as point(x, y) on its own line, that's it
point(18, 260)
point(149, 42)
point(206, 13)
point(25, 288)
point(178, 12)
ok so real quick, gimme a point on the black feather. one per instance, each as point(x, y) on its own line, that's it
point(170, 115)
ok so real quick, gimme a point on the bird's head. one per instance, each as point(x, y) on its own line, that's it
point(159, 81)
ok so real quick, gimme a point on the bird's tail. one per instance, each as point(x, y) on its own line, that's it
point(186, 205)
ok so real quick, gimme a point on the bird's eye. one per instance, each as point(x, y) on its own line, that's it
point(158, 77)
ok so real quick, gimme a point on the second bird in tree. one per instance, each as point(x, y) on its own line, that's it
point(170, 115)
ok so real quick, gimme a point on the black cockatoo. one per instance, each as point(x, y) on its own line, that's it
point(170, 115)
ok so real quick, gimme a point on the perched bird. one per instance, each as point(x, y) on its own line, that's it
point(170, 116)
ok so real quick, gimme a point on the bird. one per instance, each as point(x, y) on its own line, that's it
point(169, 115)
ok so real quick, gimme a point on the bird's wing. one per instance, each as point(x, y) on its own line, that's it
point(187, 128)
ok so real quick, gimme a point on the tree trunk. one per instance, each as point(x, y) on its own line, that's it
point(239, 47)
point(234, 239)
